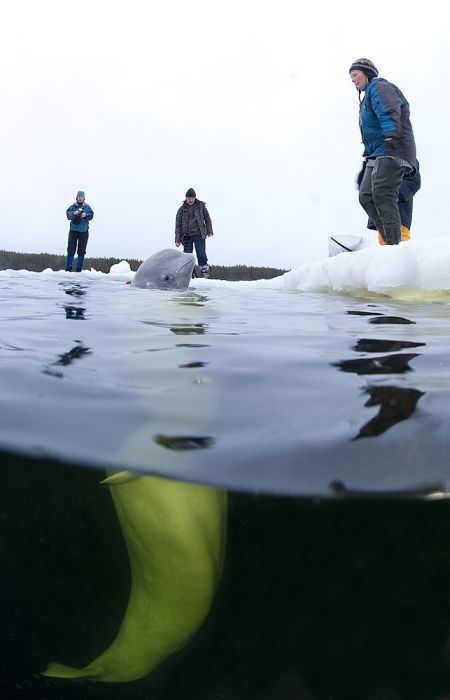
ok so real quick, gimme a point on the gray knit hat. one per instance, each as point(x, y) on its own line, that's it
point(191, 192)
point(365, 66)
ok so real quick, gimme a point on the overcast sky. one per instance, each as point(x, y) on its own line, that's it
point(249, 102)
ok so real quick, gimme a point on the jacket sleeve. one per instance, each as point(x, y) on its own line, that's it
point(70, 211)
point(208, 222)
point(178, 227)
point(387, 103)
point(89, 213)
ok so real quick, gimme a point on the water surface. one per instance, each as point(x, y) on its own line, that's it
point(234, 386)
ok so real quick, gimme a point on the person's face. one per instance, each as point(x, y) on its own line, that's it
point(359, 79)
point(80, 200)
point(190, 200)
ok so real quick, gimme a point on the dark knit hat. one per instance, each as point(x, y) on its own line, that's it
point(365, 66)
point(80, 193)
point(191, 192)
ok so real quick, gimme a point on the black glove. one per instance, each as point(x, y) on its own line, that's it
point(359, 177)
point(390, 146)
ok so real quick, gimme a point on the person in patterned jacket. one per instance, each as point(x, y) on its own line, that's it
point(389, 147)
point(192, 226)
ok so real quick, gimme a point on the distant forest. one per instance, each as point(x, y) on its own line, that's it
point(36, 262)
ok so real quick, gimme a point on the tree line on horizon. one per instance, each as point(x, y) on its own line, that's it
point(37, 262)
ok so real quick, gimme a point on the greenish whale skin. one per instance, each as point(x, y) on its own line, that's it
point(175, 535)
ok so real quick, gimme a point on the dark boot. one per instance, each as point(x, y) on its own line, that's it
point(69, 263)
point(80, 261)
point(205, 271)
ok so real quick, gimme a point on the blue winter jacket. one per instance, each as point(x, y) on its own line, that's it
point(385, 124)
point(81, 225)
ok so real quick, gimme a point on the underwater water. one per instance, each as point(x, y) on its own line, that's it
point(316, 567)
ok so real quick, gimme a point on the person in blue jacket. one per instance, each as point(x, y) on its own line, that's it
point(410, 185)
point(389, 147)
point(79, 215)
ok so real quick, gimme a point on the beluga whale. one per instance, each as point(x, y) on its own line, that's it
point(175, 534)
point(166, 269)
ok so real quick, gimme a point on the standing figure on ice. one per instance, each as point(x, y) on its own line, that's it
point(192, 226)
point(79, 215)
point(389, 147)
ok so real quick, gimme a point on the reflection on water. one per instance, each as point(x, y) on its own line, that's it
point(75, 290)
point(379, 345)
point(393, 320)
point(191, 299)
point(75, 353)
point(191, 329)
point(379, 317)
point(76, 312)
point(396, 404)
point(183, 442)
point(387, 364)
point(180, 328)
point(66, 358)
point(426, 490)
point(193, 365)
point(191, 345)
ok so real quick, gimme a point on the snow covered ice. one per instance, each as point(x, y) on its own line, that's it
point(414, 270)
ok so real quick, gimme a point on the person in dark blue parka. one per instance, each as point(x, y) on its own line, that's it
point(389, 147)
point(410, 185)
point(79, 215)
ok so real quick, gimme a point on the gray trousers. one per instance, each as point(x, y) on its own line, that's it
point(378, 196)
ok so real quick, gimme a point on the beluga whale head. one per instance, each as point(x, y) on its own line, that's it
point(166, 269)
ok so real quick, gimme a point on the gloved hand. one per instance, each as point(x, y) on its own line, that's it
point(359, 177)
point(390, 146)
point(83, 215)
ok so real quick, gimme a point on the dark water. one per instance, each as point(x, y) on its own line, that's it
point(330, 599)
point(325, 421)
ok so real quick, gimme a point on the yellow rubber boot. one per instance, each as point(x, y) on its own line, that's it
point(405, 235)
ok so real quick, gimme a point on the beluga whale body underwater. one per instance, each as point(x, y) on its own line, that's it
point(167, 269)
point(175, 534)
